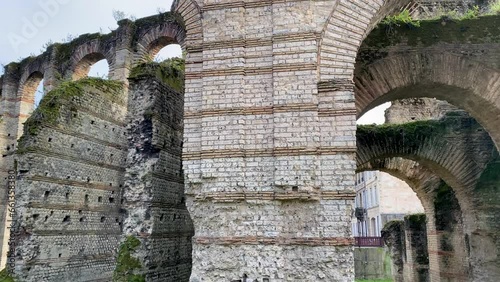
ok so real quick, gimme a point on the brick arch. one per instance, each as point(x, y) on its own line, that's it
point(345, 30)
point(436, 157)
point(153, 40)
point(191, 14)
point(422, 180)
point(86, 55)
point(462, 82)
point(458, 155)
point(31, 73)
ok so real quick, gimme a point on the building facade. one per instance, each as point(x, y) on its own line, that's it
point(381, 198)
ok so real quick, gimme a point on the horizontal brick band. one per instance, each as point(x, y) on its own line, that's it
point(276, 152)
point(252, 70)
point(228, 197)
point(245, 4)
point(279, 241)
point(109, 210)
point(336, 85)
point(82, 232)
point(73, 183)
point(305, 107)
point(56, 155)
point(85, 259)
point(260, 42)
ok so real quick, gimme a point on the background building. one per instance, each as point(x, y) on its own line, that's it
point(381, 198)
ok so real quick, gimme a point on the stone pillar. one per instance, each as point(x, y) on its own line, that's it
point(450, 237)
point(154, 201)
point(394, 239)
point(8, 140)
point(269, 167)
point(416, 266)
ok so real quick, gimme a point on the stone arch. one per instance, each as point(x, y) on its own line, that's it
point(191, 13)
point(459, 155)
point(346, 28)
point(456, 148)
point(460, 81)
point(427, 185)
point(153, 40)
point(87, 54)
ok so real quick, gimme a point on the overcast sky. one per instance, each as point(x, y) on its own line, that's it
point(27, 25)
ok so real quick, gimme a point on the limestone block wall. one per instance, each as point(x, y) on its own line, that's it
point(409, 110)
point(268, 154)
point(154, 201)
point(70, 167)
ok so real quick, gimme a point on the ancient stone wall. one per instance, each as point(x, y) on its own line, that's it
point(409, 110)
point(70, 165)
point(407, 244)
point(154, 200)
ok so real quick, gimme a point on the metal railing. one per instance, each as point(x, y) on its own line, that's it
point(369, 241)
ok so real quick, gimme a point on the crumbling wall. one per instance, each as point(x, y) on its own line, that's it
point(154, 203)
point(415, 109)
point(407, 243)
point(70, 167)
point(393, 236)
point(416, 267)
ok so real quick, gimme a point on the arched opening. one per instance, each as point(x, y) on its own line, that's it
point(375, 115)
point(167, 52)
point(93, 64)
point(40, 92)
point(99, 69)
point(31, 92)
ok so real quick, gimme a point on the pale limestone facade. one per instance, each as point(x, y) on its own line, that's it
point(384, 198)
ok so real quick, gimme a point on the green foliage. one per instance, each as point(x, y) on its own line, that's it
point(5, 277)
point(495, 7)
point(416, 221)
point(403, 18)
point(64, 51)
point(471, 13)
point(126, 263)
point(170, 72)
point(48, 111)
point(484, 29)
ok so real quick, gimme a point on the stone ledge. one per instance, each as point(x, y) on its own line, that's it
point(232, 197)
point(276, 152)
point(279, 241)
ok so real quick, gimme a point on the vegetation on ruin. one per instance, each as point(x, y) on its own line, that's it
point(488, 189)
point(49, 109)
point(412, 133)
point(5, 277)
point(416, 221)
point(170, 72)
point(142, 25)
point(64, 51)
point(402, 19)
point(126, 263)
point(495, 7)
point(470, 28)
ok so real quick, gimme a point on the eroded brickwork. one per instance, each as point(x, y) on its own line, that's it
point(70, 174)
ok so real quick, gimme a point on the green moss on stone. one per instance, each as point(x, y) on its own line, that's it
point(483, 29)
point(126, 263)
point(170, 72)
point(65, 50)
point(5, 277)
point(416, 221)
point(48, 111)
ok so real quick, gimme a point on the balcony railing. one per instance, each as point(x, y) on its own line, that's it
point(369, 241)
